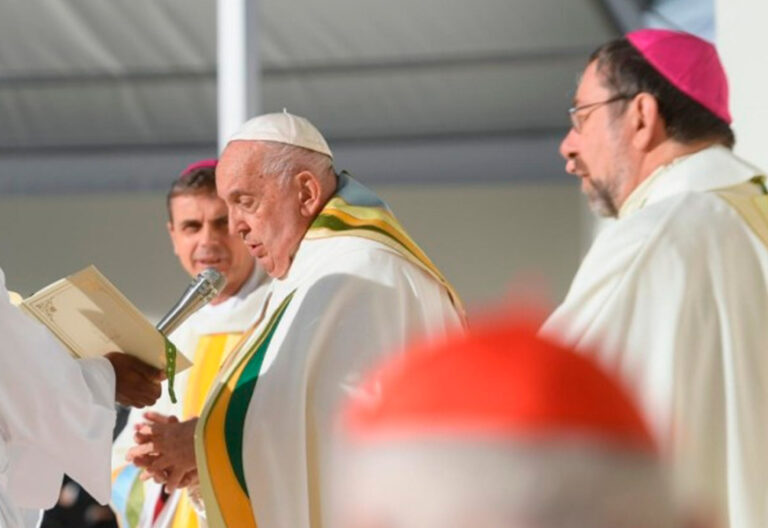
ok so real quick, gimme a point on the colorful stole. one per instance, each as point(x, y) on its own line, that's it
point(128, 496)
point(752, 207)
point(353, 211)
point(219, 434)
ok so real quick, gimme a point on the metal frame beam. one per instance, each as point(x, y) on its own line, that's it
point(514, 157)
point(383, 65)
point(625, 15)
point(239, 69)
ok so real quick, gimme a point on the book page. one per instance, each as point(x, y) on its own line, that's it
point(91, 318)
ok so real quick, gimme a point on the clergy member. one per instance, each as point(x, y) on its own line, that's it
point(349, 286)
point(57, 415)
point(672, 295)
point(496, 429)
point(198, 228)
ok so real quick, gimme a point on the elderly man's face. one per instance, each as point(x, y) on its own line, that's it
point(200, 238)
point(264, 209)
point(597, 152)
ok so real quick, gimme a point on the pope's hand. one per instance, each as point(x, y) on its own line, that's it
point(137, 384)
point(166, 450)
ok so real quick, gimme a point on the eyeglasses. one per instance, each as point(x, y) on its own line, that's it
point(578, 118)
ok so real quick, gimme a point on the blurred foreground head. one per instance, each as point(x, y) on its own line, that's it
point(496, 429)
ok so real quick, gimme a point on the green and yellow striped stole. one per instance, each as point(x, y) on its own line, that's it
point(212, 351)
point(356, 211)
point(219, 434)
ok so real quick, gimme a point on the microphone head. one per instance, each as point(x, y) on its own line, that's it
point(215, 279)
point(207, 285)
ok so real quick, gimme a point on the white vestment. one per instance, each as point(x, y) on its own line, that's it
point(228, 319)
point(56, 417)
point(350, 301)
point(673, 297)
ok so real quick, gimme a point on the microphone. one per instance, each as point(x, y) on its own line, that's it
point(207, 285)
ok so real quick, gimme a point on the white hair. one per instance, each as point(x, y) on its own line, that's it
point(283, 161)
point(563, 483)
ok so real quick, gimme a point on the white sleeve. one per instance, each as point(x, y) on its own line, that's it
point(56, 413)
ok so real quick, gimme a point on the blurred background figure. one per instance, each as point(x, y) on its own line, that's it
point(496, 429)
point(198, 227)
point(76, 507)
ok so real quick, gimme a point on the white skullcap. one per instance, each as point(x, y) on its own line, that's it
point(285, 128)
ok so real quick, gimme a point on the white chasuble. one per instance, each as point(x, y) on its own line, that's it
point(673, 297)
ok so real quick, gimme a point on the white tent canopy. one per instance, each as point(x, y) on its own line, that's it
point(84, 82)
point(117, 95)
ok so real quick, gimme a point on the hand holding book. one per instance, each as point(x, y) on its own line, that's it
point(91, 318)
point(136, 383)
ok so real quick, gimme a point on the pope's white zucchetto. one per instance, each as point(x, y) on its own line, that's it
point(282, 127)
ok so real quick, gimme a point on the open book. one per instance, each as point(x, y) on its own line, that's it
point(91, 318)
